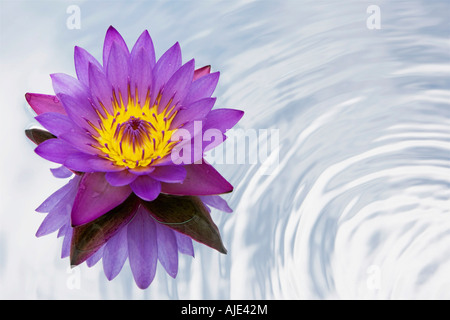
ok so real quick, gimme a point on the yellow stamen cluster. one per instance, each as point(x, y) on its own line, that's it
point(134, 135)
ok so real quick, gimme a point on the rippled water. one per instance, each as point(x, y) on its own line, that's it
point(358, 206)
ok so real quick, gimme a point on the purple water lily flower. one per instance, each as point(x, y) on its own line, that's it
point(114, 130)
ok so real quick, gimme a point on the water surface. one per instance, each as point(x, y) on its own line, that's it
point(358, 206)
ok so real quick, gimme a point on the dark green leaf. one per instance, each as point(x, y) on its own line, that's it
point(88, 238)
point(188, 215)
point(38, 135)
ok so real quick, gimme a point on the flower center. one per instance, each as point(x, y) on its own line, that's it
point(134, 135)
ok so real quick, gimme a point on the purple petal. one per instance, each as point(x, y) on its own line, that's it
point(176, 88)
point(142, 170)
point(117, 70)
point(56, 123)
point(96, 197)
point(89, 163)
point(115, 254)
point(55, 150)
point(190, 146)
point(222, 119)
point(81, 113)
point(56, 197)
point(103, 165)
point(184, 244)
point(201, 179)
point(65, 251)
point(82, 61)
point(167, 249)
point(195, 111)
point(92, 260)
point(42, 103)
point(101, 90)
point(142, 248)
point(216, 202)
point(200, 72)
point(112, 37)
point(170, 174)
point(142, 62)
point(146, 188)
point(61, 172)
point(59, 215)
point(80, 162)
point(63, 230)
point(81, 141)
point(144, 42)
point(164, 161)
point(76, 100)
point(52, 222)
point(202, 88)
point(140, 75)
point(166, 66)
point(120, 178)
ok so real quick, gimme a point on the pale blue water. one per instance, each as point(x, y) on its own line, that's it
point(358, 206)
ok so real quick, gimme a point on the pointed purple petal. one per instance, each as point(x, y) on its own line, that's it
point(80, 162)
point(184, 244)
point(55, 150)
point(112, 37)
point(96, 197)
point(202, 88)
point(115, 254)
point(59, 215)
point(76, 100)
point(142, 170)
point(101, 89)
point(142, 248)
point(53, 200)
point(82, 61)
point(83, 162)
point(62, 231)
point(120, 178)
point(144, 42)
point(142, 63)
point(103, 165)
point(222, 119)
point(146, 188)
point(65, 250)
point(61, 172)
point(166, 66)
point(170, 174)
point(117, 70)
point(42, 103)
point(176, 88)
point(196, 111)
point(54, 220)
point(201, 179)
point(92, 260)
point(167, 249)
point(216, 202)
point(140, 76)
point(81, 141)
point(56, 123)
